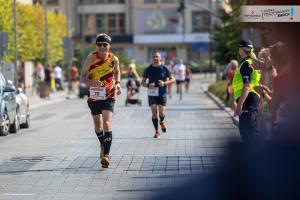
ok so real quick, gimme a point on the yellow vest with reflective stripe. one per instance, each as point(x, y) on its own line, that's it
point(237, 83)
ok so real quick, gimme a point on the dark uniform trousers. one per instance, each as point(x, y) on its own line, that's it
point(248, 120)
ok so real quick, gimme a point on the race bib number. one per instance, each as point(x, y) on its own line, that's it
point(153, 92)
point(98, 93)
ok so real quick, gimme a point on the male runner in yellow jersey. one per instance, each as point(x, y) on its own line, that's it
point(101, 73)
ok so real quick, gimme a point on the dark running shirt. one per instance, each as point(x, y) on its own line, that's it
point(154, 74)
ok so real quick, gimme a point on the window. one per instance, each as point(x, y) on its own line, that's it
point(200, 21)
point(110, 1)
point(86, 1)
point(100, 1)
point(169, 1)
point(122, 24)
point(100, 23)
point(112, 23)
point(150, 1)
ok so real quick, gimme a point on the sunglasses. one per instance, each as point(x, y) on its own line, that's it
point(102, 44)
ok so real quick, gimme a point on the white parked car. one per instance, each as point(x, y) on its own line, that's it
point(23, 102)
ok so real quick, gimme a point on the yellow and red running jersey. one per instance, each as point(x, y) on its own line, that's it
point(102, 70)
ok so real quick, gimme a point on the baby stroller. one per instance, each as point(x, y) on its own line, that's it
point(133, 93)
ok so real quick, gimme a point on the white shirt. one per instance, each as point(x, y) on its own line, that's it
point(180, 70)
point(58, 72)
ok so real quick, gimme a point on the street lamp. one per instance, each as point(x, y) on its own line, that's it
point(45, 4)
point(15, 38)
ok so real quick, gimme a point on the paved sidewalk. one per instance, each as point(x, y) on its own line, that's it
point(36, 102)
point(62, 165)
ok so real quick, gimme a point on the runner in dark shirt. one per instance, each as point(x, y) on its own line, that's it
point(156, 77)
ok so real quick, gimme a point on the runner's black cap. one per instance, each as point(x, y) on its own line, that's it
point(102, 37)
point(245, 43)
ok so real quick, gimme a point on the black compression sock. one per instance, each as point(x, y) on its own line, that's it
point(107, 142)
point(161, 118)
point(155, 123)
point(100, 136)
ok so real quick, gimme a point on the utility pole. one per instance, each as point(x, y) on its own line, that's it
point(45, 2)
point(82, 22)
point(181, 10)
point(68, 46)
point(210, 37)
point(15, 40)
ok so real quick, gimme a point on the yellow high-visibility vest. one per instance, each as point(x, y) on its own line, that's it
point(237, 83)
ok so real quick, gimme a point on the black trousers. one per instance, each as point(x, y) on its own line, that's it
point(248, 121)
point(248, 126)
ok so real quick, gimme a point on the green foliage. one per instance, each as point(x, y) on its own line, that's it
point(140, 69)
point(123, 58)
point(82, 50)
point(27, 33)
point(39, 42)
point(56, 31)
point(228, 34)
point(6, 24)
point(31, 32)
point(219, 89)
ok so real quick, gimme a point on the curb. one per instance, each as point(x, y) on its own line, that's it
point(228, 110)
point(45, 102)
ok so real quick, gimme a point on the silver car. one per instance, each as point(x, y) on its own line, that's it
point(23, 104)
point(9, 110)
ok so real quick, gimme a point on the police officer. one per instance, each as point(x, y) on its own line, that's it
point(247, 99)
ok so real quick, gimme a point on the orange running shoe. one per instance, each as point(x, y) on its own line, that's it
point(157, 134)
point(163, 127)
point(105, 161)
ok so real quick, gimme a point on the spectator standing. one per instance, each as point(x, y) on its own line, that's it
point(73, 78)
point(188, 76)
point(58, 77)
point(179, 70)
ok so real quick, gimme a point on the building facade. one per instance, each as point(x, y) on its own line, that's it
point(139, 26)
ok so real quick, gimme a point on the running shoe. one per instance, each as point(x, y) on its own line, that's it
point(157, 134)
point(105, 161)
point(163, 127)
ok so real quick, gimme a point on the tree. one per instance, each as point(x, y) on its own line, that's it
point(6, 25)
point(31, 32)
point(27, 33)
point(57, 24)
point(39, 41)
point(227, 35)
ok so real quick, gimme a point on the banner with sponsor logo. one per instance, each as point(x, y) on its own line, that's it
point(270, 13)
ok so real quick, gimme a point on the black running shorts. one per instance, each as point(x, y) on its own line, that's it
point(97, 107)
point(179, 81)
point(160, 100)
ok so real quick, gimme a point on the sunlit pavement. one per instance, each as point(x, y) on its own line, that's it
point(57, 157)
